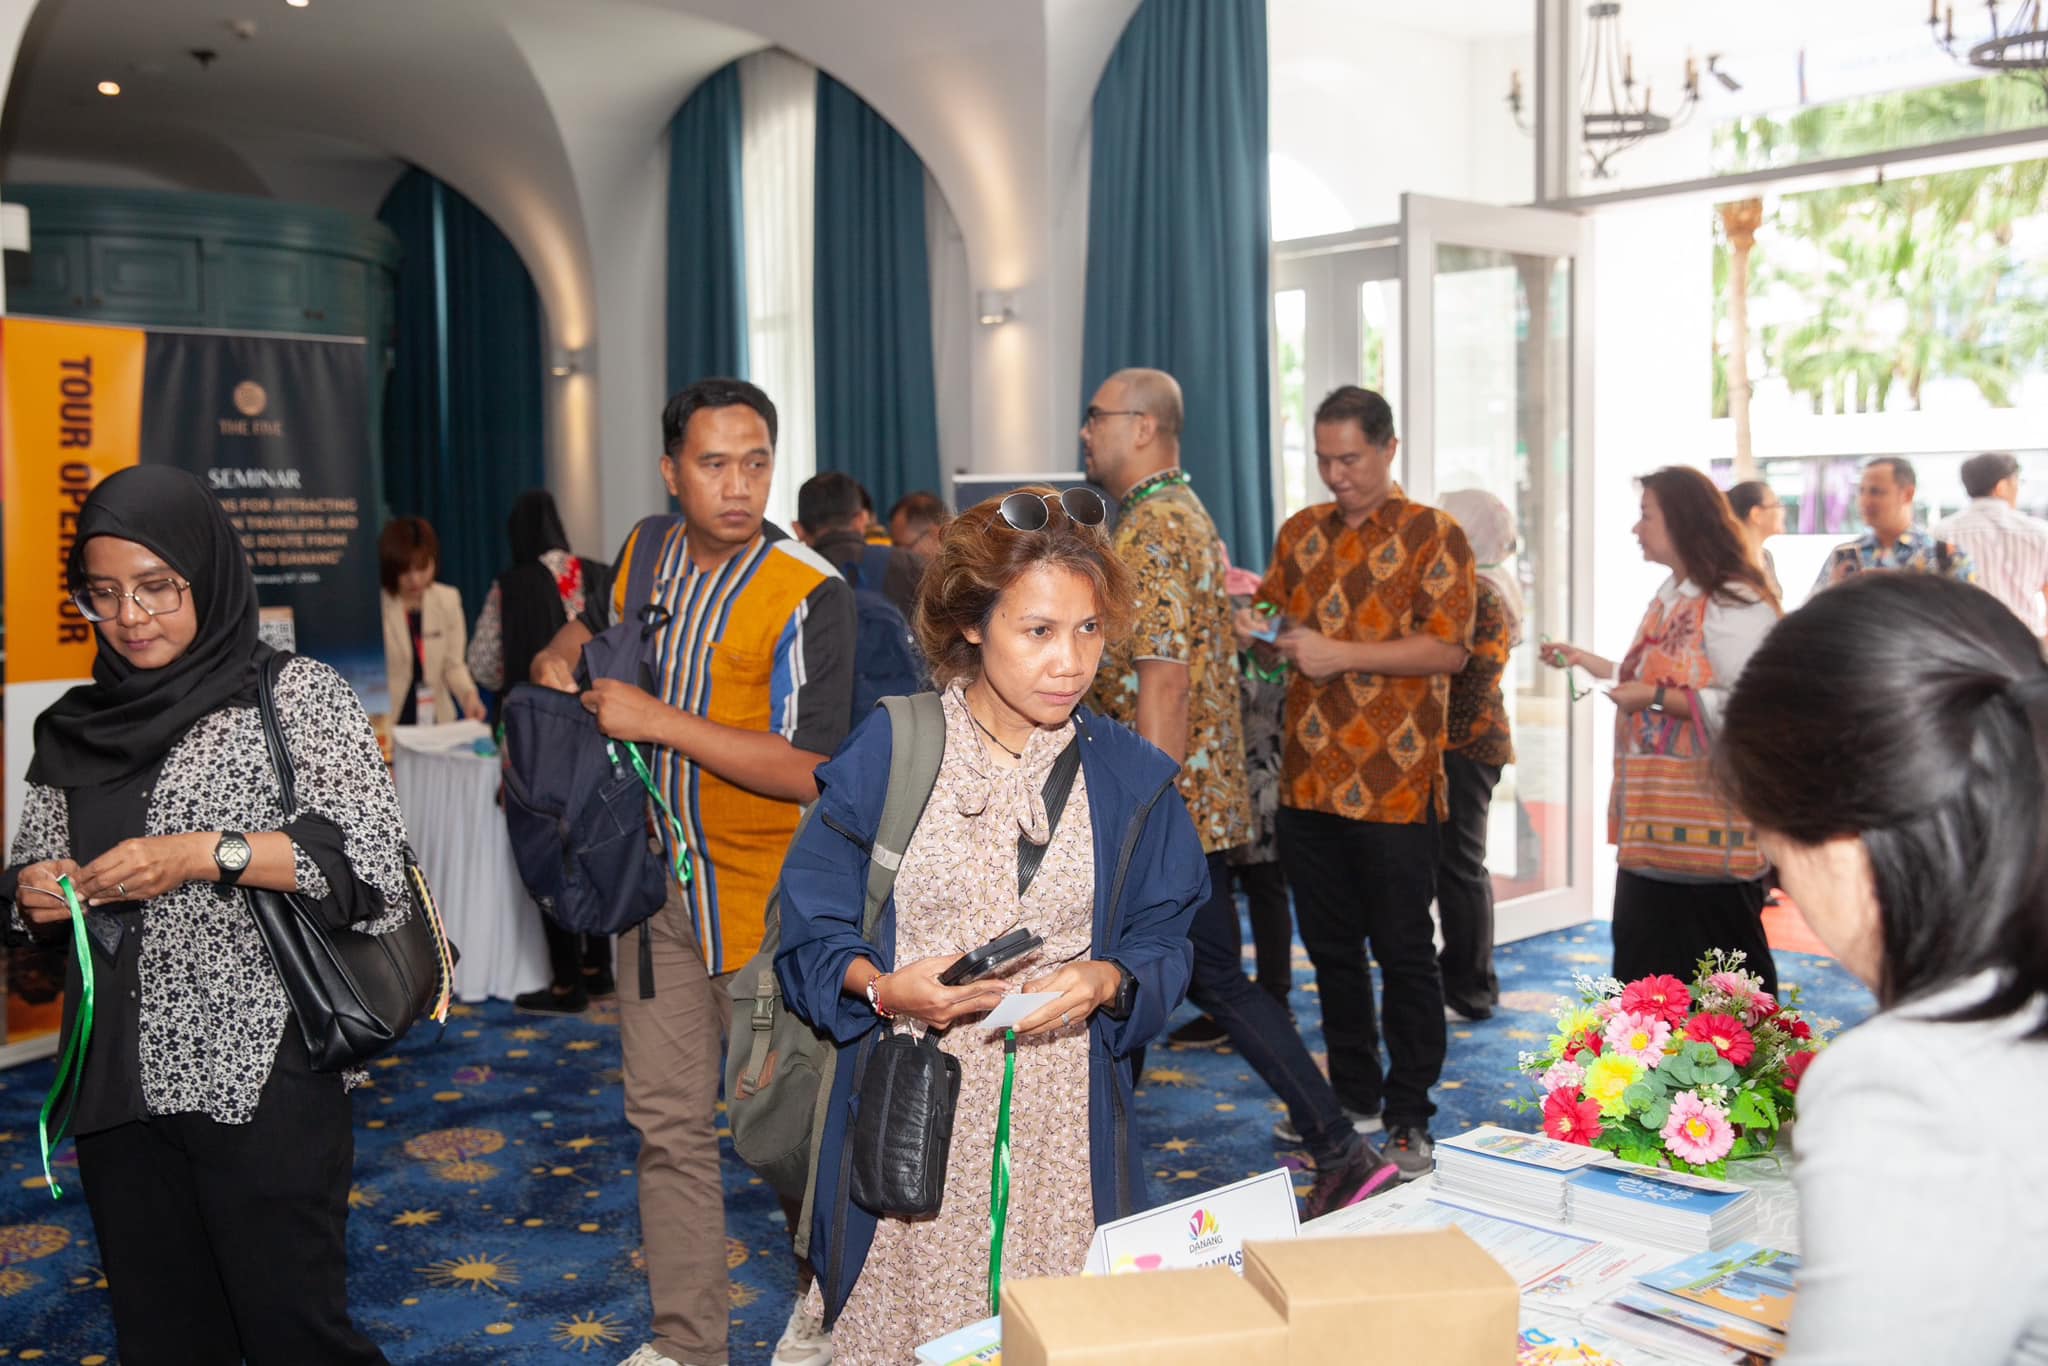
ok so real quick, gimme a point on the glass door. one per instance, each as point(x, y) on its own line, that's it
point(1496, 396)
point(1336, 320)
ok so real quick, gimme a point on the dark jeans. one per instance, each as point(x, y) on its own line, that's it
point(1464, 889)
point(1258, 1025)
point(1265, 890)
point(1668, 926)
point(1359, 882)
point(570, 953)
point(227, 1242)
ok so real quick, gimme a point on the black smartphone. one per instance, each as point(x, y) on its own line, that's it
point(978, 963)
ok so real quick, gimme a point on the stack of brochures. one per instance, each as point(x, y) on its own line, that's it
point(1664, 1209)
point(1524, 1173)
point(1728, 1306)
point(978, 1344)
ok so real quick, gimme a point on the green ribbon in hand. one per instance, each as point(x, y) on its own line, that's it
point(70, 1057)
point(999, 1184)
point(680, 852)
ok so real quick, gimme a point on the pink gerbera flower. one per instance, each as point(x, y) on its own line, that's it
point(1570, 1118)
point(1727, 1034)
point(1663, 995)
point(1640, 1037)
point(1564, 1076)
point(1740, 985)
point(1696, 1131)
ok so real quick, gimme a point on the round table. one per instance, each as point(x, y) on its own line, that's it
point(449, 794)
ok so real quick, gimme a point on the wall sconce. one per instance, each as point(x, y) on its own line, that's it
point(995, 308)
point(563, 363)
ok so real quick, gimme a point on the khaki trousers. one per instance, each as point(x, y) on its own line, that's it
point(673, 1048)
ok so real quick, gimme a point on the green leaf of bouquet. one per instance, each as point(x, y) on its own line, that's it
point(1638, 1095)
point(1750, 1110)
point(1719, 1073)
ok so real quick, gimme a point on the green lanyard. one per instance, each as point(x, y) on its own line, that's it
point(71, 1058)
point(679, 856)
point(999, 1183)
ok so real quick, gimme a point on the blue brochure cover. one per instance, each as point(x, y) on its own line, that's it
point(1648, 1191)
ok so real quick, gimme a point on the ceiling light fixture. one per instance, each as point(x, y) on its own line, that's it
point(2017, 45)
point(298, 4)
point(1616, 111)
point(109, 87)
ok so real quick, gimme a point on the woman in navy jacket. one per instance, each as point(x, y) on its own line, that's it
point(1014, 615)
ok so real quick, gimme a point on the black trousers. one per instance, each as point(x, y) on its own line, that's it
point(1360, 882)
point(1667, 927)
point(227, 1242)
point(570, 953)
point(1265, 890)
point(1464, 889)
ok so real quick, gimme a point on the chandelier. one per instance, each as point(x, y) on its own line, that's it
point(2018, 44)
point(1615, 110)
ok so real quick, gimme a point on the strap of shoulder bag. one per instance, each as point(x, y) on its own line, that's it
point(273, 731)
point(1059, 785)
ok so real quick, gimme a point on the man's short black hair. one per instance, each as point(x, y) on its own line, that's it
point(829, 502)
point(1901, 468)
point(1983, 473)
point(1349, 403)
point(922, 509)
point(712, 393)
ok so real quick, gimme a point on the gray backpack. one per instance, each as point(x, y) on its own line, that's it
point(778, 1069)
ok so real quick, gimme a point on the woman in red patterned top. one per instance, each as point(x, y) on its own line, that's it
point(1477, 746)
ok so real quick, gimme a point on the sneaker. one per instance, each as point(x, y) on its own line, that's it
point(1285, 1133)
point(548, 1001)
point(647, 1356)
point(1466, 1014)
point(1361, 1174)
point(1363, 1123)
point(805, 1341)
point(598, 983)
point(1200, 1032)
point(1409, 1147)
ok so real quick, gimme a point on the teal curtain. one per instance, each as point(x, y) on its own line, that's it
point(1178, 234)
point(463, 425)
point(707, 254)
point(872, 303)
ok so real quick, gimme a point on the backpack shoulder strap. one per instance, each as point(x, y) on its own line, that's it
point(649, 539)
point(917, 746)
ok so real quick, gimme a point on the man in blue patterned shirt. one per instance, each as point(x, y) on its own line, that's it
point(1885, 498)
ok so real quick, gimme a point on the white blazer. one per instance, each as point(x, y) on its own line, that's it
point(444, 641)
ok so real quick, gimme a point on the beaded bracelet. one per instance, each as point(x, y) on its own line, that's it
point(875, 997)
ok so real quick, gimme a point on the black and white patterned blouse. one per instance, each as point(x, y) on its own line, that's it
point(211, 1009)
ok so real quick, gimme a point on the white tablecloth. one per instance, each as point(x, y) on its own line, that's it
point(449, 794)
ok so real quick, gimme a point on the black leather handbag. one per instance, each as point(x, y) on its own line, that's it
point(903, 1129)
point(353, 994)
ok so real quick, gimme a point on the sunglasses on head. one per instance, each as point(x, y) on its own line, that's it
point(1031, 511)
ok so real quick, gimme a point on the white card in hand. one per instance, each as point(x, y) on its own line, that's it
point(1015, 1008)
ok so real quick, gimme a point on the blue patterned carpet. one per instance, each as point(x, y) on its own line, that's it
point(494, 1214)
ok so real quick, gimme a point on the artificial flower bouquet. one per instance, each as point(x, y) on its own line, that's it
point(1670, 1075)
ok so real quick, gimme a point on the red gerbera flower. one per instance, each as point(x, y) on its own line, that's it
point(1795, 1068)
point(1662, 995)
point(1730, 1038)
point(1798, 1029)
point(1570, 1118)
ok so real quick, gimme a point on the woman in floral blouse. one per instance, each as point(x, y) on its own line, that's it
point(215, 1161)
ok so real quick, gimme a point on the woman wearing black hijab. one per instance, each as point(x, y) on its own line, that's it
point(215, 1161)
point(545, 587)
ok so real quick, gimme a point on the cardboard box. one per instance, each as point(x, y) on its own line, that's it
point(1207, 1317)
point(1389, 1299)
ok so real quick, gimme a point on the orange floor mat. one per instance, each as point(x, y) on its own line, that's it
point(1787, 929)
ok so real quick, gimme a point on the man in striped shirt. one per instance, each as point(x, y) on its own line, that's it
point(2009, 547)
point(753, 690)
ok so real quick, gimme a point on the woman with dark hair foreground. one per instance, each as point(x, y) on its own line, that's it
point(1691, 879)
point(1890, 741)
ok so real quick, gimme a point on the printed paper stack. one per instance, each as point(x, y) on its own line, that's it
point(978, 1344)
point(1732, 1305)
point(1664, 1209)
point(1524, 1173)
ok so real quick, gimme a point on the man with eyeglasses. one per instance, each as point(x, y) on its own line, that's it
point(1376, 598)
point(754, 687)
point(1174, 681)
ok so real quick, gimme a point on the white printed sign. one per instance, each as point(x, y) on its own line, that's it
point(1210, 1229)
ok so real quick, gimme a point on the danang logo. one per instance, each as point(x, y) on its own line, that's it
point(1204, 1233)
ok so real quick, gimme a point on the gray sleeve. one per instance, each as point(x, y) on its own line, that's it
point(1907, 1236)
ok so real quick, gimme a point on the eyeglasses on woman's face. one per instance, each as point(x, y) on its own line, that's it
point(1032, 511)
point(157, 597)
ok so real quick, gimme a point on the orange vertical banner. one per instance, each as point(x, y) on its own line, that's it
point(72, 416)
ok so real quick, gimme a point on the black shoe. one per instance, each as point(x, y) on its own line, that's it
point(1200, 1032)
point(598, 983)
point(1457, 1013)
point(1360, 1174)
point(1410, 1148)
point(548, 1001)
